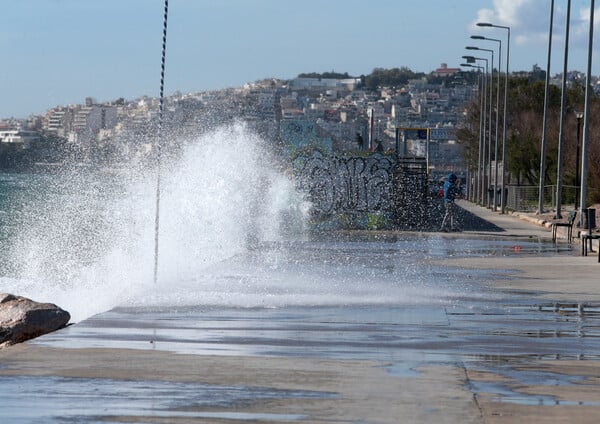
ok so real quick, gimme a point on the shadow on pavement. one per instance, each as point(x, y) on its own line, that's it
point(467, 221)
point(472, 222)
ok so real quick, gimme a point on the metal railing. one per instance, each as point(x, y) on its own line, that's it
point(526, 198)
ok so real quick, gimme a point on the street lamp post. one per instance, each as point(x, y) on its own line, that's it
point(503, 194)
point(586, 115)
point(563, 101)
point(480, 37)
point(477, 186)
point(578, 115)
point(489, 160)
point(542, 178)
point(483, 122)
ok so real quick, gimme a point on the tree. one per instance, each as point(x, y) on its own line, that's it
point(394, 77)
point(326, 75)
point(524, 132)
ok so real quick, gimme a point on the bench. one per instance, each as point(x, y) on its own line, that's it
point(588, 236)
point(568, 225)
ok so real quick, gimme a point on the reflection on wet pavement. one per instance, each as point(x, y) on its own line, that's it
point(59, 399)
point(376, 332)
point(495, 337)
point(384, 301)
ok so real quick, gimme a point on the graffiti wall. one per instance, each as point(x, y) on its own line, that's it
point(373, 183)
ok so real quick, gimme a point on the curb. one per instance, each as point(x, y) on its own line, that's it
point(533, 220)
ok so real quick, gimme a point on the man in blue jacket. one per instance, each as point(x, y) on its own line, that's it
point(451, 192)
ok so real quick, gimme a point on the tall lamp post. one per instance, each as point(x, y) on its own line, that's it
point(481, 37)
point(483, 122)
point(477, 186)
point(502, 196)
point(489, 161)
point(578, 115)
point(563, 101)
point(586, 115)
point(542, 178)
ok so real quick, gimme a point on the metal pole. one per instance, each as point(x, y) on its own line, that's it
point(481, 90)
point(578, 115)
point(487, 24)
point(480, 37)
point(588, 82)
point(488, 203)
point(497, 123)
point(502, 194)
point(546, 95)
point(481, 191)
point(562, 117)
point(489, 182)
point(484, 112)
point(160, 117)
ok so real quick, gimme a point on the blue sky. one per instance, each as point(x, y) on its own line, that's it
point(57, 52)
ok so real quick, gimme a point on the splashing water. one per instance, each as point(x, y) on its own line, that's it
point(85, 240)
point(232, 234)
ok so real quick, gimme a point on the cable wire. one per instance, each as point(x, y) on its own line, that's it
point(158, 140)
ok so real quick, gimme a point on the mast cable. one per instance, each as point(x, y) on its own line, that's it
point(158, 140)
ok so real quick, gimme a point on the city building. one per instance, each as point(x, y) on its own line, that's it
point(25, 138)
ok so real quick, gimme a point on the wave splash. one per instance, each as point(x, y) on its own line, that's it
point(85, 240)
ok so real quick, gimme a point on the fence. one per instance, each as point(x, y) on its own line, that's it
point(526, 198)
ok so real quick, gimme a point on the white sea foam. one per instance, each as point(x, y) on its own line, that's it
point(88, 244)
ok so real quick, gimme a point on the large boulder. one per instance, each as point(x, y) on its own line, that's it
point(23, 319)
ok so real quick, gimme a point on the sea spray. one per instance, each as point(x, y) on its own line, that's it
point(231, 235)
point(83, 239)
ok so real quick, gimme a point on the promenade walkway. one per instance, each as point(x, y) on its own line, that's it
point(492, 363)
point(516, 223)
point(560, 279)
point(568, 277)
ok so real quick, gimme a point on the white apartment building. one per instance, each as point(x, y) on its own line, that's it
point(55, 121)
point(95, 118)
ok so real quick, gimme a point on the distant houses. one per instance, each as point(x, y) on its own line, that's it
point(331, 113)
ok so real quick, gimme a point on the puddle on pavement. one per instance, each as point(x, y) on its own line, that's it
point(535, 321)
point(571, 309)
point(507, 392)
point(378, 332)
point(553, 331)
point(518, 371)
point(83, 400)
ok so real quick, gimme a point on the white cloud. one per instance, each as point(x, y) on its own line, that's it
point(512, 12)
point(529, 21)
point(581, 25)
point(529, 24)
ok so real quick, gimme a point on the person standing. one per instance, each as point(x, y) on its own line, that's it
point(451, 192)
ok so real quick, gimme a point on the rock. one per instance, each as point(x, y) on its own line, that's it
point(23, 319)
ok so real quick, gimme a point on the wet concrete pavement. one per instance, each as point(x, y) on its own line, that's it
point(520, 343)
point(544, 388)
